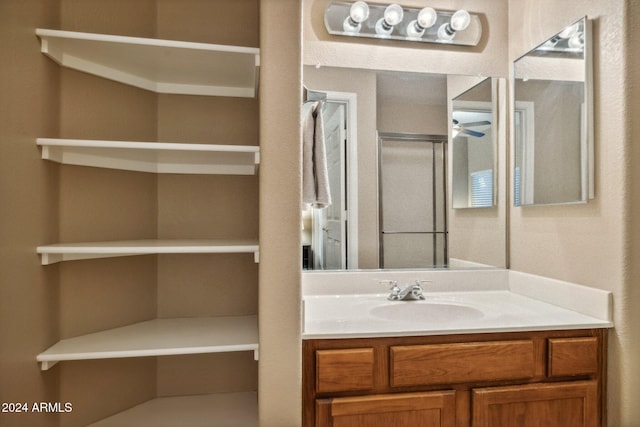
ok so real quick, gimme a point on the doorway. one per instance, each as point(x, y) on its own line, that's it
point(334, 240)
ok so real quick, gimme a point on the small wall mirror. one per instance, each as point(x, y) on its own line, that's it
point(473, 148)
point(553, 121)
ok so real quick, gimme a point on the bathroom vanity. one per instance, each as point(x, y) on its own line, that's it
point(491, 357)
point(549, 378)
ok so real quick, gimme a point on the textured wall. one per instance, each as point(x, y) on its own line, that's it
point(589, 244)
point(280, 216)
point(28, 292)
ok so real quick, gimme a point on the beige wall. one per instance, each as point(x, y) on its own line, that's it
point(29, 302)
point(280, 217)
point(589, 244)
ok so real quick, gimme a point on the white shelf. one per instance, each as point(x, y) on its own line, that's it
point(159, 337)
point(155, 157)
point(90, 250)
point(212, 410)
point(162, 66)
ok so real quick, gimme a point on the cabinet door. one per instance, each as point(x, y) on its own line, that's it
point(432, 409)
point(569, 404)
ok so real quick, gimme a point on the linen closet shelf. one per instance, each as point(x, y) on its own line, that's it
point(172, 67)
point(76, 251)
point(162, 66)
point(153, 157)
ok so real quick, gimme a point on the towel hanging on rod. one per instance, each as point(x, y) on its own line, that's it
point(315, 176)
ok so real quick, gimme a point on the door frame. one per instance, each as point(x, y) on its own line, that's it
point(350, 100)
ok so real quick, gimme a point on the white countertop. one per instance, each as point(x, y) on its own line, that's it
point(512, 305)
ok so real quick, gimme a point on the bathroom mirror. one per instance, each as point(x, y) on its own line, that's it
point(553, 124)
point(391, 131)
point(473, 147)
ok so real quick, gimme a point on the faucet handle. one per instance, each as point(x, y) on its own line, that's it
point(392, 284)
point(393, 288)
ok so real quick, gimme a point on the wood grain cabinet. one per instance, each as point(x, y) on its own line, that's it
point(524, 379)
point(432, 409)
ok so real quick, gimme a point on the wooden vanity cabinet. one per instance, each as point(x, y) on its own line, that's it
point(521, 379)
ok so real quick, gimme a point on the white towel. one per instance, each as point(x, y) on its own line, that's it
point(315, 178)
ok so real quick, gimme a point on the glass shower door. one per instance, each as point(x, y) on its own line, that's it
point(412, 198)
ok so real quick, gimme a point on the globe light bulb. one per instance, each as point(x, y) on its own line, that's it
point(576, 41)
point(393, 15)
point(358, 13)
point(569, 32)
point(459, 21)
point(427, 17)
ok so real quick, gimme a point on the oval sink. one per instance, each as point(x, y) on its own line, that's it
point(420, 311)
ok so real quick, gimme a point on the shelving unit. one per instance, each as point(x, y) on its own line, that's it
point(172, 67)
point(211, 410)
point(89, 250)
point(162, 66)
point(159, 337)
point(154, 157)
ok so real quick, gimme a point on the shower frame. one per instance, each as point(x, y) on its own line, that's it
point(435, 140)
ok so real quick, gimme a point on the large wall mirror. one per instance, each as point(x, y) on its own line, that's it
point(553, 120)
point(388, 139)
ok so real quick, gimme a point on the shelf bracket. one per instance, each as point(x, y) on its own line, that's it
point(256, 257)
point(45, 365)
point(256, 354)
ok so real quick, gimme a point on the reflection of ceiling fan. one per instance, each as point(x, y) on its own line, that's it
point(463, 128)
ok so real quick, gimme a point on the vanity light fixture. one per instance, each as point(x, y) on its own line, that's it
point(427, 18)
point(392, 16)
point(459, 22)
point(395, 22)
point(358, 13)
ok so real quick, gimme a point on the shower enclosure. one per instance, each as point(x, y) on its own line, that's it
point(412, 198)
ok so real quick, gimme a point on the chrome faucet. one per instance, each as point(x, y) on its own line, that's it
point(409, 293)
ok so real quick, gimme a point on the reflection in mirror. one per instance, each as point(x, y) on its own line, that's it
point(553, 126)
point(472, 149)
point(376, 105)
point(413, 230)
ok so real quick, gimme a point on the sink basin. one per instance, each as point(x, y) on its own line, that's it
point(425, 311)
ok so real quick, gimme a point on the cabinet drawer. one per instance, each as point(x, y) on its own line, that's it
point(344, 370)
point(461, 362)
point(572, 356)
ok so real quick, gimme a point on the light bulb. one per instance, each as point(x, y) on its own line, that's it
point(427, 17)
point(393, 15)
point(459, 21)
point(569, 32)
point(358, 13)
point(576, 41)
